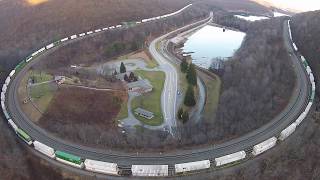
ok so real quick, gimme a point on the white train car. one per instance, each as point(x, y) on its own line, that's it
point(7, 81)
point(64, 39)
point(42, 49)
point(4, 88)
point(35, 53)
point(89, 32)
point(105, 29)
point(3, 96)
point(287, 131)
point(82, 34)
point(44, 149)
point(308, 107)
point(13, 125)
point(118, 26)
point(300, 118)
point(101, 167)
point(264, 146)
point(111, 27)
point(3, 106)
point(50, 46)
point(29, 59)
point(150, 170)
point(295, 46)
point(12, 73)
point(192, 166)
point(230, 158)
point(308, 70)
point(97, 30)
point(311, 77)
point(73, 36)
point(313, 85)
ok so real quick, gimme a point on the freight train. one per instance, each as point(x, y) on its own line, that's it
point(147, 170)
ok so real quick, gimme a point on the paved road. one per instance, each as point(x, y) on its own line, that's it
point(296, 105)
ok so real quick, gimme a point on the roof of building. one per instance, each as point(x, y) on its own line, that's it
point(143, 83)
point(144, 112)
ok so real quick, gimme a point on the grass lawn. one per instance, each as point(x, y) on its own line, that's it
point(42, 95)
point(151, 63)
point(213, 86)
point(151, 101)
point(39, 76)
point(123, 111)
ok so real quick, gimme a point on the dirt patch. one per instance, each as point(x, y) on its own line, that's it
point(91, 111)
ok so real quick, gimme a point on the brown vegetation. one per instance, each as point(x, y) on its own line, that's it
point(82, 115)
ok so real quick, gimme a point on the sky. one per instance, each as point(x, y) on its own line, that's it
point(302, 5)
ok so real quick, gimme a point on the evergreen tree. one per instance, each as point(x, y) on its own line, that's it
point(180, 112)
point(192, 75)
point(131, 76)
point(189, 99)
point(185, 116)
point(126, 78)
point(184, 65)
point(122, 68)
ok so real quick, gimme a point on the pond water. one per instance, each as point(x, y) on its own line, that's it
point(252, 18)
point(212, 42)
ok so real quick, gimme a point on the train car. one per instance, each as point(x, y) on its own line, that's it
point(24, 136)
point(89, 32)
point(230, 158)
point(7, 81)
point(64, 39)
point(111, 27)
point(82, 34)
point(97, 30)
point(20, 66)
point(42, 50)
point(287, 131)
point(105, 29)
point(29, 59)
point(73, 37)
point(313, 86)
point(4, 88)
point(50, 46)
point(301, 118)
point(312, 96)
point(5, 112)
point(311, 77)
point(118, 26)
point(264, 146)
point(101, 167)
point(12, 73)
point(13, 125)
point(150, 170)
point(69, 159)
point(3, 96)
point(192, 166)
point(3, 106)
point(295, 46)
point(44, 149)
point(138, 22)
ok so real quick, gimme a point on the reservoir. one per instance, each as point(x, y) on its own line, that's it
point(212, 42)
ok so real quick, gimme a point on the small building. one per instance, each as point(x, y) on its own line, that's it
point(140, 86)
point(144, 113)
point(59, 79)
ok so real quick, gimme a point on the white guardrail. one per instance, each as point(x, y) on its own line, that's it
point(145, 170)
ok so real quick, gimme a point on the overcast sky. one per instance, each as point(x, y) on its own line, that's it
point(303, 5)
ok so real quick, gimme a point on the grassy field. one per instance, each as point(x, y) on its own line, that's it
point(39, 76)
point(42, 95)
point(213, 86)
point(151, 101)
point(123, 113)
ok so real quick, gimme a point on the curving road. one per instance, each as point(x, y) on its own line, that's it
point(296, 105)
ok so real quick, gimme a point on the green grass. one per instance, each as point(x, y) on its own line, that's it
point(213, 86)
point(39, 76)
point(42, 95)
point(151, 63)
point(123, 113)
point(151, 101)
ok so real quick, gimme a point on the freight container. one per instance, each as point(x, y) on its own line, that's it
point(287, 131)
point(104, 29)
point(230, 158)
point(313, 86)
point(312, 96)
point(82, 34)
point(24, 136)
point(13, 125)
point(50, 46)
point(264, 146)
point(111, 27)
point(98, 30)
point(73, 37)
point(301, 118)
point(4, 88)
point(28, 59)
point(308, 70)
point(69, 159)
point(64, 39)
point(101, 167)
point(311, 77)
point(89, 32)
point(192, 166)
point(44, 149)
point(6, 114)
point(149, 170)
point(3, 96)
point(295, 47)
point(12, 73)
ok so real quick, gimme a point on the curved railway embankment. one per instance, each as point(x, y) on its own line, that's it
point(166, 164)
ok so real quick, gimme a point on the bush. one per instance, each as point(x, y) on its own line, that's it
point(192, 75)
point(189, 99)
